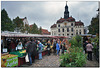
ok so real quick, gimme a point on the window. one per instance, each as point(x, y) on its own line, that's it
point(58, 30)
point(76, 33)
point(63, 30)
point(71, 24)
point(59, 25)
point(80, 32)
point(71, 34)
point(72, 29)
point(67, 29)
point(52, 32)
point(67, 34)
point(63, 34)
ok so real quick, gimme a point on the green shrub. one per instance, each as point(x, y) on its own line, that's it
point(76, 58)
point(76, 41)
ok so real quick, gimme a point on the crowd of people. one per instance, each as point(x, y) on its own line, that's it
point(34, 46)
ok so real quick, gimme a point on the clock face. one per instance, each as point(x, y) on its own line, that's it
point(65, 23)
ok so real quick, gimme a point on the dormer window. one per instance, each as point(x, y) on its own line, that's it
point(59, 25)
point(71, 24)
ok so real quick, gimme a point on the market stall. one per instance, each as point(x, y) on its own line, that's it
point(20, 54)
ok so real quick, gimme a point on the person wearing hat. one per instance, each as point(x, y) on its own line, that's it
point(19, 46)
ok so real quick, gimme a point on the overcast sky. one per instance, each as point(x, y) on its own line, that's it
point(45, 14)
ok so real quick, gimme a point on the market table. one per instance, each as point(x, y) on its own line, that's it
point(21, 56)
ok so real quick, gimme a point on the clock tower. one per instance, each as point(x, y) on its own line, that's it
point(66, 13)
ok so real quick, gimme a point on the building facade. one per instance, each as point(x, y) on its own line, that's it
point(67, 26)
point(25, 21)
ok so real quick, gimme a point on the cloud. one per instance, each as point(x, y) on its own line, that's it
point(47, 13)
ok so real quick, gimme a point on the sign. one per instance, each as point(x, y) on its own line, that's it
point(4, 49)
point(11, 61)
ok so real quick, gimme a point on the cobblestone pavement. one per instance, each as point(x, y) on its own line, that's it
point(92, 63)
point(47, 61)
point(53, 61)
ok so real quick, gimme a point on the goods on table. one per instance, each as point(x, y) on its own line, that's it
point(19, 53)
point(51, 46)
point(9, 60)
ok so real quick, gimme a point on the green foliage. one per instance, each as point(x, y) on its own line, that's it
point(76, 41)
point(25, 29)
point(34, 29)
point(94, 27)
point(95, 42)
point(40, 30)
point(76, 58)
point(18, 24)
point(6, 23)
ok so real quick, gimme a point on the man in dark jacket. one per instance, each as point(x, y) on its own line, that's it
point(48, 47)
point(54, 47)
point(31, 50)
point(84, 46)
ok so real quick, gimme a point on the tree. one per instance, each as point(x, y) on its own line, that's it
point(19, 25)
point(34, 29)
point(94, 26)
point(26, 29)
point(6, 23)
point(40, 30)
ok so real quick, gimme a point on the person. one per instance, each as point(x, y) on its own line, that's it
point(84, 46)
point(1, 44)
point(57, 47)
point(54, 46)
point(89, 48)
point(40, 46)
point(31, 50)
point(12, 46)
point(34, 50)
point(48, 47)
point(19, 46)
point(63, 46)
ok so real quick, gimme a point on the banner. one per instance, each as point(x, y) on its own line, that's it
point(10, 61)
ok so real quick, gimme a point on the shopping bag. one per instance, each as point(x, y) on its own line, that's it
point(26, 58)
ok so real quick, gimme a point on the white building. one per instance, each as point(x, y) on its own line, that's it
point(67, 26)
point(25, 21)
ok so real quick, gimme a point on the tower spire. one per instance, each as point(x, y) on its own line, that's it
point(66, 2)
point(66, 13)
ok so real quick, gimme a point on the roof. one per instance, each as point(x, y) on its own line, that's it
point(46, 32)
point(53, 26)
point(79, 23)
point(68, 19)
point(23, 18)
point(29, 35)
point(31, 25)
